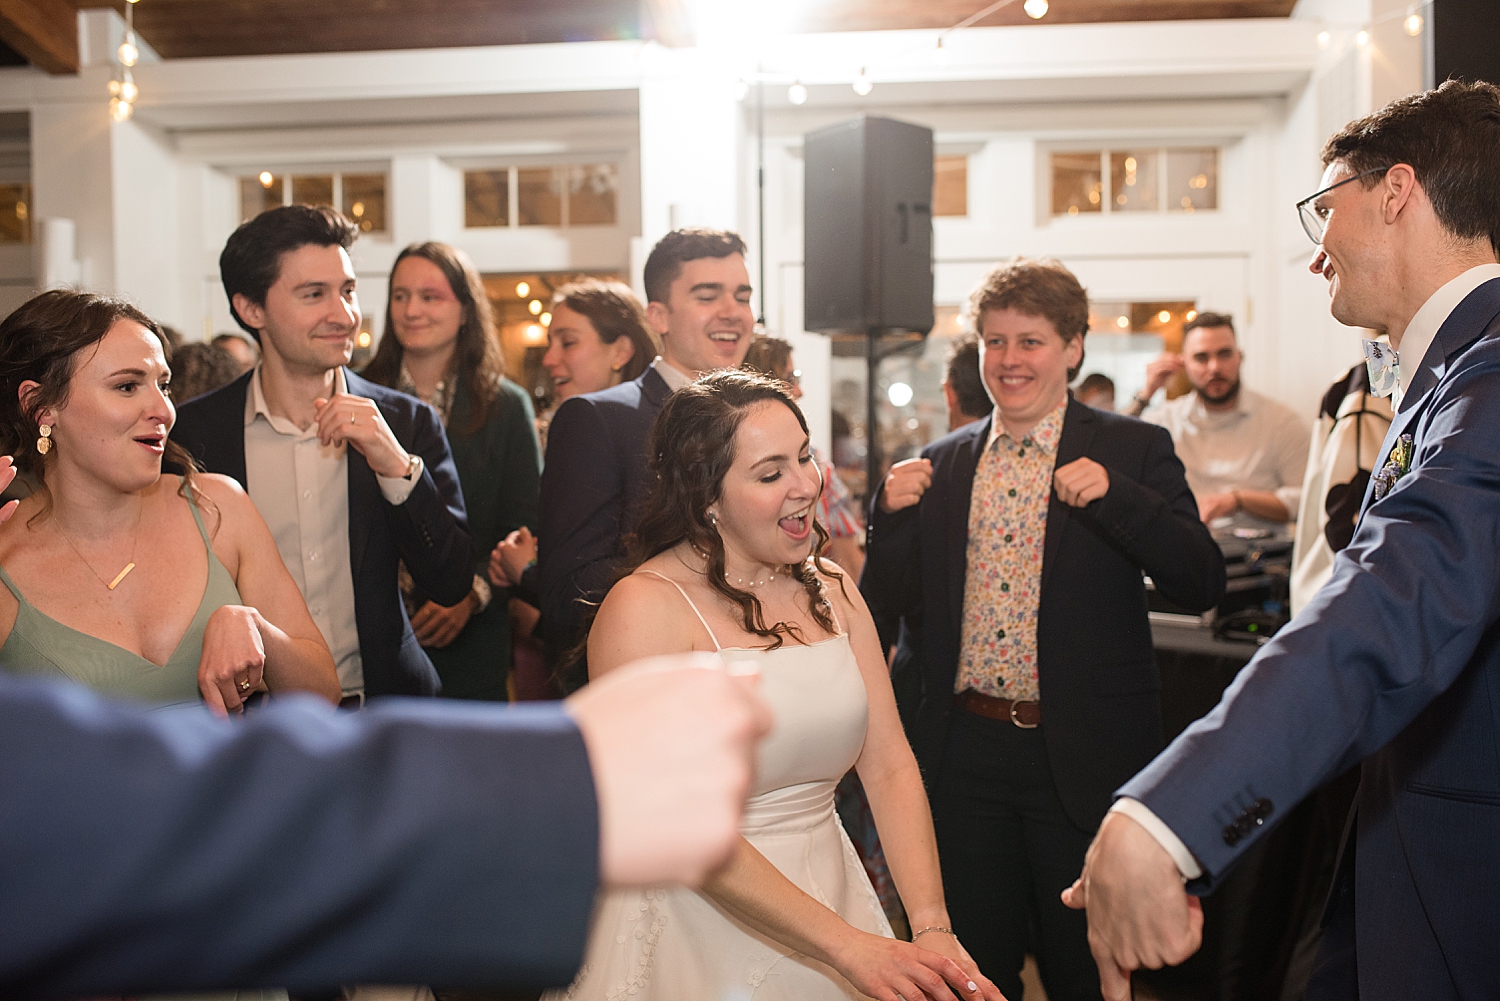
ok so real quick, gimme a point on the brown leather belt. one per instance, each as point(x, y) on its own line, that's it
point(1026, 715)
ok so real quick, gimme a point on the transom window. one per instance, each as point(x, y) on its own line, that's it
point(361, 197)
point(557, 196)
point(15, 213)
point(1135, 180)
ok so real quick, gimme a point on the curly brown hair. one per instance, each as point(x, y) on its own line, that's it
point(1037, 287)
point(41, 342)
point(692, 449)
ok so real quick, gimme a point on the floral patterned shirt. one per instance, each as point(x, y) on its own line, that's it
point(1003, 580)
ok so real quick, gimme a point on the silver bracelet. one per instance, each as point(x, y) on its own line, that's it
point(924, 931)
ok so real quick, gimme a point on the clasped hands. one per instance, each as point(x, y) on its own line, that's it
point(1139, 914)
point(1078, 484)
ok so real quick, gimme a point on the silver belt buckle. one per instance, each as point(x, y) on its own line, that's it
point(1016, 720)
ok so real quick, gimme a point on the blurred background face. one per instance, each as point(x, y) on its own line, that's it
point(425, 314)
point(1212, 362)
point(578, 360)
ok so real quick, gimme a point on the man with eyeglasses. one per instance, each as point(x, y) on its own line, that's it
point(1395, 664)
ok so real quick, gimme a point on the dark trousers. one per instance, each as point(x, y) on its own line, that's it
point(1008, 850)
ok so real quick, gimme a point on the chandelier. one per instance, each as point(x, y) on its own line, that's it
point(122, 88)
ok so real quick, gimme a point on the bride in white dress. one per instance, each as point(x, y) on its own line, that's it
point(722, 562)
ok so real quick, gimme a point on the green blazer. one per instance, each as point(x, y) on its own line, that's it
point(500, 470)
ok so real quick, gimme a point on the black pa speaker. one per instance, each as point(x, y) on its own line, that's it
point(867, 243)
point(1465, 39)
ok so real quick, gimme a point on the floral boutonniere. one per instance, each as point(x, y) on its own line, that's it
point(1397, 465)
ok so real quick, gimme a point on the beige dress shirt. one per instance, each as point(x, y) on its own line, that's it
point(674, 379)
point(301, 488)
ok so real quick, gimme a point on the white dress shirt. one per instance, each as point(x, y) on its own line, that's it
point(674, 379)
point(1417, 339)
point(301, 488)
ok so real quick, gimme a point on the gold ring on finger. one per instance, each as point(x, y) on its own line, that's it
point(244, 686)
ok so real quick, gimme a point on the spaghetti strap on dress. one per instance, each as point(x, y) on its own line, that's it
point(690, 605)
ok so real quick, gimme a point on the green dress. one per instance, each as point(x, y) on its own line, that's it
point(40, 645)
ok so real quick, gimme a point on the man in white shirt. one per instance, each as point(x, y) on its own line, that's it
point(1395, 662)
point(352, 478)
point(1245, 454)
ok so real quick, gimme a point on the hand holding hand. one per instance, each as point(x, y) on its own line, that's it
point(671, 743)
point(1159, 372)
point(359, 422)
point(888, 969)
point(437, 626)
point(511, 557)
point(905, 484)
point(1212, 507)
point(234, 658)
point(1138, 912)
point(1081, 482)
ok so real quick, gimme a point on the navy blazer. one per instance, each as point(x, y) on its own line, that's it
point(429, 532)
point(447, 843)
point(1095, 661)
point(1395, 662)
point(593, 483)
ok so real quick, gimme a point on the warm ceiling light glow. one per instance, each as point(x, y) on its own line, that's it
point(1413, 23)
point(1122, 322)
point(1035, 9)
point(522, 290)
point(1362, 39)
point(535, 334)
point(1130, 165)
point(129, 91)
point(862, 84)
point(797, 93)
point(267, 179)
point(1164, 317)
point(357, 209)
point(546, 319)
point(363, 340)
point(535, 307)
point(127, 52)
point(900, 394)
point(120, 110)
point(1323, 39)
point(1192, 315)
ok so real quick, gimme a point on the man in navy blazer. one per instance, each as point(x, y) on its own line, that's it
point(698, 302)
point(1396, 661)
point(1021, 541)
point(352, 478)
point(421, 842)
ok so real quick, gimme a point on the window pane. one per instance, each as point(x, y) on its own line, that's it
point(591, 194)
point(1076, 183)
point(1132, 181)
point(1192, 179)
point(539, 196)
point(364, 201)
point(316, 189)
point(486, 198)
point(258, 193)
point(950, 185)
point(15, 213)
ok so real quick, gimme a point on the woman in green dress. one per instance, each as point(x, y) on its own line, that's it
point(440, 345)
point(141, 584)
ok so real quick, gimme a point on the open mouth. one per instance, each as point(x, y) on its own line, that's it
point(798, 526)
point(155, 442)
point(725, 337)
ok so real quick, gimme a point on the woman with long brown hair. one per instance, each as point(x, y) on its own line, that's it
point(724, 560)
point(138, 583)
point(440, 346)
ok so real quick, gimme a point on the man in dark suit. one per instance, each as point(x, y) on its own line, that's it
point(420, 842)
point(1396, 661)
point(1031, 530)
point(595, 477)
point(351, 477)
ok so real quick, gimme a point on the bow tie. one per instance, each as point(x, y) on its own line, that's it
point(1384, 366)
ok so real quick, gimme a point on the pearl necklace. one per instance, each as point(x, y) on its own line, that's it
point(753, 583)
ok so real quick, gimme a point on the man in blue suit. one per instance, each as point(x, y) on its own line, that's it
point(1021, 540)
point(698, 302)
point(419, 842)
point(352, 478)
point(1396, 661)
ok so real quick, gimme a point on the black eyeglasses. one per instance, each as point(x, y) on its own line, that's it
point(1314, 218)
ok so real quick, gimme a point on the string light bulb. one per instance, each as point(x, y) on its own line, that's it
point(120, 110)
point(523, 289)
point(1362, 39)
point(797, 93)
point(1035, 9)
point(1413, 23)
point(1323, 39)
point(128, 53)
point(862, 84)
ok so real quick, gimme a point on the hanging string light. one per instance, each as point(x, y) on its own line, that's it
point(122, 88)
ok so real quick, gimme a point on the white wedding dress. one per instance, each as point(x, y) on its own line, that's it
point(672, 944)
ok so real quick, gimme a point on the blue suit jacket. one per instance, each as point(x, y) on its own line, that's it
point(593, 483)
point(1099, 685)
point(429, 532)
point(419, 842)
point(1396, 661)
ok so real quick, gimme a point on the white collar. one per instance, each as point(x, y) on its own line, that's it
point(255, 403)
point(1433, 314)
point(674, 379)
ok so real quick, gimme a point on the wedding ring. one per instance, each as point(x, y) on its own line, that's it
point(353, 418)
point(244, 686)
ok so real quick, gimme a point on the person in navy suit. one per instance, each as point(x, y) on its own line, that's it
point(352, 478)
point(1395, 663)
point(595, 477)
point(1021, 541)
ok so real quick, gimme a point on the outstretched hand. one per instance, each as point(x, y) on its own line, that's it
point(1139, 914)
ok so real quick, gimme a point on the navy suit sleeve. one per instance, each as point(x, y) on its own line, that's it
point(583, 511)
point(1407, 606)
point(431, 529)
point(417, 842)
point(1155, 520)
point(891, 582)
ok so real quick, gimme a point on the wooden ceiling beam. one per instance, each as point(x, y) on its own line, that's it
point(44, 31)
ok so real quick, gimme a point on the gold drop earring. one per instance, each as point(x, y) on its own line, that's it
point(44, 443)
